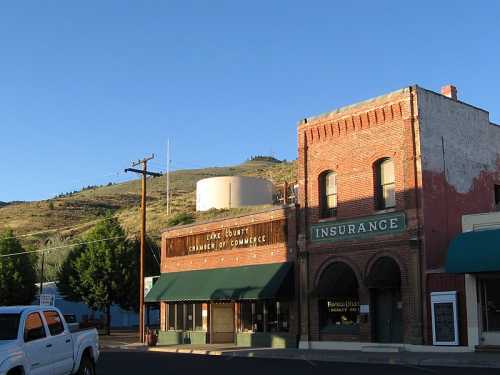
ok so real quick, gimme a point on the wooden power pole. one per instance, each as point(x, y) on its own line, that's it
point(144, 172)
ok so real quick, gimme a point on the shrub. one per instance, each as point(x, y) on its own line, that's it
point(180, 218)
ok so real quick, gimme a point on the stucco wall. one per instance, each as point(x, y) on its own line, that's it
point(461, 164)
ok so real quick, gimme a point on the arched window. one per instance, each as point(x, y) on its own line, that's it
point(385, 185)
point(328, 194)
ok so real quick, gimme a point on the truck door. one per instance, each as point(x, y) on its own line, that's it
point(37, 346)
point(62, 345)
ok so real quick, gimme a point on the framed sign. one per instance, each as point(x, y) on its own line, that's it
point(47, 300)
point(338, 230)
point(444, 318)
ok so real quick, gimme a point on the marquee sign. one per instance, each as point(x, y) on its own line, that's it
point(339, 230)
point(228, 238)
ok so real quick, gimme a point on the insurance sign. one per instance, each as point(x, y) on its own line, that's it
point(339, 230)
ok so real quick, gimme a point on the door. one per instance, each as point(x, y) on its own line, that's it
point(62, 345)
point(388, 319)
point(490, 306)
point(37, 346)
point(222, 323)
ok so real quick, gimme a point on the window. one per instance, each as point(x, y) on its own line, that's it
point(246, 316)
point(180, 317)
point(171, 316)
point(338, 300)
point(54, 322)
point(258, 313)
point(189, 317)
point(33, 328)
point(185, 317)
point(328, 194)
point(385, 191)
point(271, 316)
point(264, 316)
point(283, 316)
point(9, 325)
point(497, 197)
point(198, 317)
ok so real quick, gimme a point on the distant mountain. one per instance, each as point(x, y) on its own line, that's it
point(3, 204)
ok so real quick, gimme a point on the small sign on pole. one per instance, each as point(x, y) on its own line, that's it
point(47, 300)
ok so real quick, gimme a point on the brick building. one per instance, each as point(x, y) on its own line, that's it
point(382, 188)
point(230, 280)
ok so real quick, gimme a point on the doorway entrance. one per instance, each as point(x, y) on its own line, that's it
point(490, 310)
point(222, 323)
point(385, 288)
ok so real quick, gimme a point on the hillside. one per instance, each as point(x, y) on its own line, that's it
point(78, 211)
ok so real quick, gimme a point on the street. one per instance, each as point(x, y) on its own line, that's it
point(135, 362)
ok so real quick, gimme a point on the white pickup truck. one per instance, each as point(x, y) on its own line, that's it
point(36, 340)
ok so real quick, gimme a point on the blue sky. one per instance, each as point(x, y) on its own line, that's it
point(87, 86)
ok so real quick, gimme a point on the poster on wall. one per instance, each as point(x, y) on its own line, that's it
point(444, 318)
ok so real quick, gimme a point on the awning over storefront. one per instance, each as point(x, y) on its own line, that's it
point(472, 252)
point(238, 283)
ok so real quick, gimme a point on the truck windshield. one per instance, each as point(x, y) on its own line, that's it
point(9, 325)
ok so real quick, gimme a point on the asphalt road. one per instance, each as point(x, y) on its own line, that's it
point(144, 363)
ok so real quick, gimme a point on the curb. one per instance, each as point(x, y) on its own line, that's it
point(319, 357)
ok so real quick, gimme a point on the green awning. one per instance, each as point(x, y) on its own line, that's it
point(237, 283)
point(472, 252)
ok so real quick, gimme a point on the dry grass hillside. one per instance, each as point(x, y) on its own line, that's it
point(77, 212)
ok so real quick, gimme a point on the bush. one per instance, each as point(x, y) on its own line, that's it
point(180, 218)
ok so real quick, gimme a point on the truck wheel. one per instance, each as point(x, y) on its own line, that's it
point(86, 366)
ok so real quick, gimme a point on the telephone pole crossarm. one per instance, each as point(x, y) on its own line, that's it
point(140, 171)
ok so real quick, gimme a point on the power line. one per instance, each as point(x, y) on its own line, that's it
point(59, 229)
point(60, 247)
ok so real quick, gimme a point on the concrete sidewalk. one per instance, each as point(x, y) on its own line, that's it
point(484, 360)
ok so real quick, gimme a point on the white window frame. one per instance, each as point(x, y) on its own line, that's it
point(445, 297)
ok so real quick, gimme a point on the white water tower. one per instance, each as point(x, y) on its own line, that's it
point(232, 192)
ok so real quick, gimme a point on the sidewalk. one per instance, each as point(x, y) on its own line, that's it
point(486, 360)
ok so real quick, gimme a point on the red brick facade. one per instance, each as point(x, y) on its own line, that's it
point(401, 126)
point(284, 251)
point(432, 140)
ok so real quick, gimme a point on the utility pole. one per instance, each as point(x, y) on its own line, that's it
point(42, 276)
point(144, 172)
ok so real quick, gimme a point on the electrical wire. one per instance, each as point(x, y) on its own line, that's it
point(60, 247)
point(59, 229)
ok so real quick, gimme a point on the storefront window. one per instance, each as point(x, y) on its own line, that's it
point(198, 317)
point(246, 316)
point(272, 316)
point(284, 316)
point(189, 317)
point(338, 300)
point(171, 316)
point(491, 305)
point(338, 313)
point(258, 321)
point(180, 317)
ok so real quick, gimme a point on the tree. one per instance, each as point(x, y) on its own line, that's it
point(68, 276)
point(104, 270)
point(17, 272)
